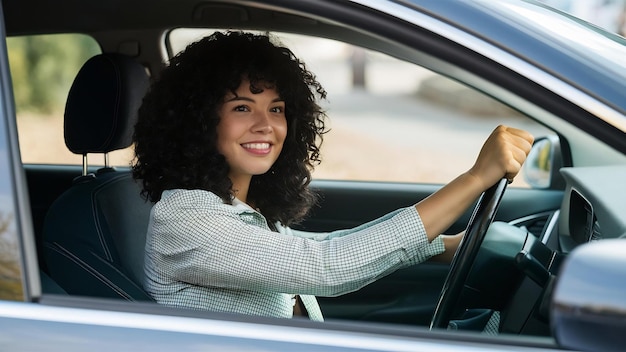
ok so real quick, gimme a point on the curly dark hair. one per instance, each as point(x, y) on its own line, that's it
point(175, 136)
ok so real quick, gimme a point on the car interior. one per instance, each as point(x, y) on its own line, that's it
point(100, 253)
point(90, 221)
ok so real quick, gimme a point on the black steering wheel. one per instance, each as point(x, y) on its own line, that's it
point(461, 264)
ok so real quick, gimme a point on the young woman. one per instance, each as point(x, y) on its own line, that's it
point(225, 144)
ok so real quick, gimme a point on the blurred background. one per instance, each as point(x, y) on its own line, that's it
point(363, 87)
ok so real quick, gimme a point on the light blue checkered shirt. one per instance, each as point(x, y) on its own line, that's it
point(207, 255)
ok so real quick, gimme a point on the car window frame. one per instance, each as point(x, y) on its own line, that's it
point(18, 192)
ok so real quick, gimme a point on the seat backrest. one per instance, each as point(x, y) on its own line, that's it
point(94, 233)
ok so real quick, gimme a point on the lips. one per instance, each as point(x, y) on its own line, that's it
point(257, 147)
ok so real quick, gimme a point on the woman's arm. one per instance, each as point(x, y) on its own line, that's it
point(196, 239)
point(450, 243)
point(502, 155)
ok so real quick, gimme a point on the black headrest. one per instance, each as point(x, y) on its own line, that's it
point(101, 108)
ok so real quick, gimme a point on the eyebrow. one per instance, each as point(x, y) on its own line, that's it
point(237, 98)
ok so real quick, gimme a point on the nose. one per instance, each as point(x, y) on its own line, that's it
point(262, 123)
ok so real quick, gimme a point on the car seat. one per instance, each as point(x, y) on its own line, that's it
point(94, 233)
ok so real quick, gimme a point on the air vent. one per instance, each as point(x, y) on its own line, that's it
point(534, 224)
point(581, 218)
point(537, 227)
point(596, 234)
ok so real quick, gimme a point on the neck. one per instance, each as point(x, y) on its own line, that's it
point(241, 187)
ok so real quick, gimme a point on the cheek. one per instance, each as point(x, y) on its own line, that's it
point(222, 137)
point(283, 134)
point(281, 130)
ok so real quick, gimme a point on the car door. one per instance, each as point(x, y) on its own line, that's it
point(390, 145)
point(398, 132)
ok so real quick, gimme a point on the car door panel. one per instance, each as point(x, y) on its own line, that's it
point(407, 296)
point(345, 204)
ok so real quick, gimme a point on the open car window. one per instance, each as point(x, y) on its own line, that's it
point(391, 120)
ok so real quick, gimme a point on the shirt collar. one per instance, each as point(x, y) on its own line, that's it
point(242, 206)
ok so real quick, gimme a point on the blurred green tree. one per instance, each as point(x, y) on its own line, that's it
point(43, 67)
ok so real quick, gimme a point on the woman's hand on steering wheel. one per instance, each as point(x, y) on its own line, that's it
point(499, 161)
point(502, 155)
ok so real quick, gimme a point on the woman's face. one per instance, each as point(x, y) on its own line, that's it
point(251, 131)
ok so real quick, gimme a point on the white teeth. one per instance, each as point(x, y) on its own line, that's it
point(256, 145)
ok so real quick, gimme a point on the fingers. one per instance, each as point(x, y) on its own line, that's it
point(520, 138)
point(525, 135)
point(519, 143)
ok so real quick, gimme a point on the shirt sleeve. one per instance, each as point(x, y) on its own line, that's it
point(212, 248)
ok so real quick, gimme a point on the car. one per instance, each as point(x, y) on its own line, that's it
point(414, 87)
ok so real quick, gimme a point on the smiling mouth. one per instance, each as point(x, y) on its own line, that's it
point(256, 146)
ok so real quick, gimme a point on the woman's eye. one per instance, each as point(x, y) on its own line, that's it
point(277, 109)
point(241, 108)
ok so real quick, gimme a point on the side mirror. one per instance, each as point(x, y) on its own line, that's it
point(541, 169)
point(588, 311)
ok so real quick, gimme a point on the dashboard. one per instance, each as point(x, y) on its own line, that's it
point(594, 205)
